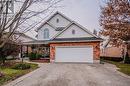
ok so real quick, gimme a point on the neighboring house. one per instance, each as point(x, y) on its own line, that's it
point(67, 40)
point(109, 50)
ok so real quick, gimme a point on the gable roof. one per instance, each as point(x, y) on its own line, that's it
point(44, 24)
point(73, 22)
point(60, 15)
point(47, 21)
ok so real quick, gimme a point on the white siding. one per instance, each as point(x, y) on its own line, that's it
point(78, 33)
point(52, 32)
point(63, 22)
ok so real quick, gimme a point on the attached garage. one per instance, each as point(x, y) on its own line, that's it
point(74, 54)
point(82, 52)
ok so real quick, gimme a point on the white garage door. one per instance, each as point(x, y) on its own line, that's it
point(74, 54)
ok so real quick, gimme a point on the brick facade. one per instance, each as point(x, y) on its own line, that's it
point(96, 48)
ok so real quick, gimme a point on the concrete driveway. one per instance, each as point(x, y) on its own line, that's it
point(73, 75)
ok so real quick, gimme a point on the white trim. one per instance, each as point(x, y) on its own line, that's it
point(51, 25)
point(74, 46)
point(85, 29)
point(81, 27)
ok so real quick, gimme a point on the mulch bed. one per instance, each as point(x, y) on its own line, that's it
point(42, 60)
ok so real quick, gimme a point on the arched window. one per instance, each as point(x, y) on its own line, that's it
point(46, 33)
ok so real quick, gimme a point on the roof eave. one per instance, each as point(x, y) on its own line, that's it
point(78, 41)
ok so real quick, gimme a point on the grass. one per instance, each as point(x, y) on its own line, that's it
point(11, 74)
point(124, 68)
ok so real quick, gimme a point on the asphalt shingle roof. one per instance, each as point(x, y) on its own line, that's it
point(77, 39)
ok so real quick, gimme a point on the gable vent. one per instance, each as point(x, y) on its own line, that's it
point(57, 20)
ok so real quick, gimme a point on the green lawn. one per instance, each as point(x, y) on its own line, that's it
point(124, 68)
point(11, 74)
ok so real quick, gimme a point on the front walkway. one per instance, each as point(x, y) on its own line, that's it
point(73, 75)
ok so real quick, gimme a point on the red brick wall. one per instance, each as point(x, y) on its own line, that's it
point(96, 48)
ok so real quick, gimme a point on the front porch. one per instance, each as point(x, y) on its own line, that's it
point(36, 52)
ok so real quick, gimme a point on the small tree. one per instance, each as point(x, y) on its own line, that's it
point(8, 49)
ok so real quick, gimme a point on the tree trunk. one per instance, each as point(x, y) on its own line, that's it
point(3, 60)
point(1, 57)
point(126, 57)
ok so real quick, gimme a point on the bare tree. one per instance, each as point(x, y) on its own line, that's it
point(25, 13)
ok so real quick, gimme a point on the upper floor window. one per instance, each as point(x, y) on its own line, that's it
point(46, 33)
point(57, 20)
point(73, 32)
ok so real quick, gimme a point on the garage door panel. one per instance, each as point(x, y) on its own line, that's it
point(74, 54)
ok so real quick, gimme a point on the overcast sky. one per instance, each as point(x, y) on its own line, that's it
point(85, 12)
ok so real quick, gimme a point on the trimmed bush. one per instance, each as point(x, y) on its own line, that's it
point(116, 59)
point(21, 66)
point(34, 56)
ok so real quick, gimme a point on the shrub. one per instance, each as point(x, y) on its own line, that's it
point(116, 59)
point(38, 56)
point(21, 66)
point(32, 56)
